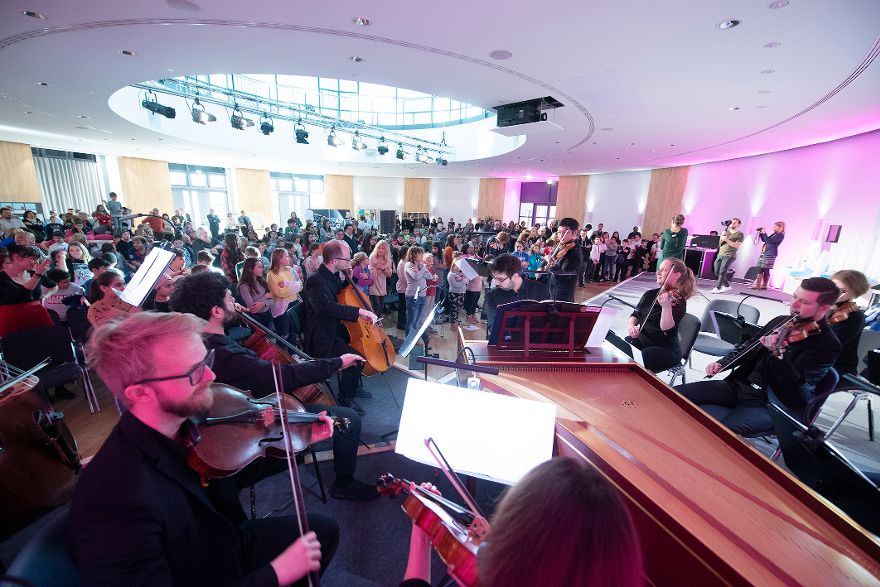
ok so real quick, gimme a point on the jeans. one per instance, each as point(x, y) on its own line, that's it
point(414, 308)
point(721, 265)
point(609, 267)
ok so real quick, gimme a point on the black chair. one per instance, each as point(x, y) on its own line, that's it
point(46, 561)
point(688, 330)
point(709, 340)
point(26, 348)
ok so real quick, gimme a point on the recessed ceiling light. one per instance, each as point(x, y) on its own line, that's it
point(618, 158)
point(607, 128)
point(734, 108)
point(128, 53)
point(632, 144)
point(727, 24)
point(778, 4)
point(763, 91)
point(361, 21)
point(33, 14)
point(768, 71)
point(28, 112)
point(82, 116)
point(357, 58)
point(671, 144)
point(44, 84)
point(761, 107)
point(772, 44)
point(83, 127)
point(500, 54)
point(183, 5)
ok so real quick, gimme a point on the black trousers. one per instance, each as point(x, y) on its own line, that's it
point(378, 303)
point(657, 358)
point(260, 541)
point(743, 411)
point(351, 377)
point(471, 298)
point(401, 311)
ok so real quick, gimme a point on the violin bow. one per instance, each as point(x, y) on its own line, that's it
point(292, 471)
point(480, 523)
point(648, 315)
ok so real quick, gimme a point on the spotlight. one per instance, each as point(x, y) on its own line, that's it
point(356, 143)
point(200, 116)
point(421, 156)
point(238, 121)
point(332, 139)
point(156, 108)
point(301, 133)
point(400, 153)
point(441, 161)
point(266, 125)
point(382, 148)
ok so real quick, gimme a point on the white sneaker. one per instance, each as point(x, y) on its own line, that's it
point(714, 290)
point(726, 288)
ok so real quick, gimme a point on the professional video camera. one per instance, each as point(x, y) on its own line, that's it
point(726, 223)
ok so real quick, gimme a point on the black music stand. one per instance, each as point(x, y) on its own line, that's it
point(540, 327)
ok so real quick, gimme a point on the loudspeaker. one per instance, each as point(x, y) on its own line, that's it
point(386, 221)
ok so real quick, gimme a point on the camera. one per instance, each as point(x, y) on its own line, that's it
point(726, 222)
point(760, 229)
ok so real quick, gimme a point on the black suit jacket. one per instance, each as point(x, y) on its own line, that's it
point(140, 517)
point(323, 313)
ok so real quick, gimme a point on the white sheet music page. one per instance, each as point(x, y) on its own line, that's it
point(486, 435)
point(468, 271)
point(601, 327)
point(146, 276)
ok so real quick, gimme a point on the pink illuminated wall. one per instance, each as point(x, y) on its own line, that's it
point(809, 188)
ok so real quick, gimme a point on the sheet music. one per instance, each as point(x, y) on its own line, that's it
point(482, 434)
point(466, 268)
point(146, 276)
point(602, 326)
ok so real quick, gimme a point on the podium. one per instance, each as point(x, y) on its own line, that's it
point(548, 327)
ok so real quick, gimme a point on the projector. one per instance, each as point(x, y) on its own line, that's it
point(526, 112)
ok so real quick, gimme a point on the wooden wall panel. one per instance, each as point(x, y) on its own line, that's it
point(665, 196)
point(19, 183)
point(339, 192)
point(491, 198)
point(255, 196)
point(571, 197)
point(146, 184)
point(415, 194)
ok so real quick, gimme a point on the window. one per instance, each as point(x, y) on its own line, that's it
point(197, 189)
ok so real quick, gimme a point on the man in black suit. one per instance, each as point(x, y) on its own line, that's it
point(792, 377)
point(140, 514)
point(214, 226)
point(569, 263)
point(323, 315)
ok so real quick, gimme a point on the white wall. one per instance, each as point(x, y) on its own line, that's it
point(455, 197)
point(378, 193)
point(618, 200)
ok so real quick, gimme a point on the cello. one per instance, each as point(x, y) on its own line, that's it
point(273, 348)
point(367, 339)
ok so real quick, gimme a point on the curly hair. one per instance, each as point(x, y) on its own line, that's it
point(506, 264)
point(198, 294)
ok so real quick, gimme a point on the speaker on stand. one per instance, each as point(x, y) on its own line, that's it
point(387, 222)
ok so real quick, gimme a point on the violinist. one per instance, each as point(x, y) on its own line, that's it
point(846, 319)
point(789, 368)
point(323, 315)
point(653, 325)
point(566, 259)
point(562, 524)
point(140, 515)
point(206, 296)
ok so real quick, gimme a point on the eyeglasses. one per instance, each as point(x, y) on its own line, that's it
point(342, 258)
point(195, 374)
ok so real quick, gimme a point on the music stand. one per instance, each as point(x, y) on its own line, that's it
point(820, 466)
point(730, 327)
point(530, 326)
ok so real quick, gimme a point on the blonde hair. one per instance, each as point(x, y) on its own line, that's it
point(120, 350)
point(381, 243)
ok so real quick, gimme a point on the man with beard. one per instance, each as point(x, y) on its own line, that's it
point(207, 296)
point(140, 515)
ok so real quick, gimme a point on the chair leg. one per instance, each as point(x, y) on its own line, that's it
point(776, 454)
point(849, 408)
point(89, 391)
point(870, 421)
point(318, 473)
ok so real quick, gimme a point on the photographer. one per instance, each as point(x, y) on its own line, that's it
point(768, 253)
point(731, 241)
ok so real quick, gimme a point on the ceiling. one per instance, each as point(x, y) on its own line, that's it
point(644, 84)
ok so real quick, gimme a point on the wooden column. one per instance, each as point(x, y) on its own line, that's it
point(665, 196)
point(255, 196)
point(415, 194)
point(339, 192)
point(19, 183)
point(146, 184)
point(491, 198)
point(571, 197)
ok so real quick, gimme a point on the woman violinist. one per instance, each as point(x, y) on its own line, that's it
point(653, 325)
point(562, 524)
point(846, 319)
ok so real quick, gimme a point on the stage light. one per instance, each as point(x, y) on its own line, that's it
point(332, 139)
point(266, 125)
point(238, 121)
point(200, 115)
point(441, 161)
point(421, 155)
point(382, 148)
point(156, 108)
point(301, 133)
point(356, 143)
point(400, 153)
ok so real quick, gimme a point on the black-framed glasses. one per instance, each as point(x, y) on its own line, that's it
point(195, 374)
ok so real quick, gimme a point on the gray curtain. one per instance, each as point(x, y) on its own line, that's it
point(68, 183)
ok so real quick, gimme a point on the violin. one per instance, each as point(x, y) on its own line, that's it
point(791, 332)
point(239, 429)
point(273, 348)
point(367, 339)
point(559, 253)
point(454, 531)
point(842, 311)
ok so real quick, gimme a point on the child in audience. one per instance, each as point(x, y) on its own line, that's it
point(458, 283)
point(361, 272)
point(314, 260)
point(431, 292)
point(55, 301)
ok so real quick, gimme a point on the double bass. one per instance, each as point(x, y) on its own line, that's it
point(367, 339)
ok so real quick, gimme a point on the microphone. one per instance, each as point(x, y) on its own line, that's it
point(624, 302)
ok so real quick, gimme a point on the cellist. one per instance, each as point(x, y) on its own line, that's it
point(323, 315)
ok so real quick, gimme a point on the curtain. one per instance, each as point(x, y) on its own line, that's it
point(68, 183)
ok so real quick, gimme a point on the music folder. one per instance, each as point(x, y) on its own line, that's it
point(486, 435)
point(147, 275)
